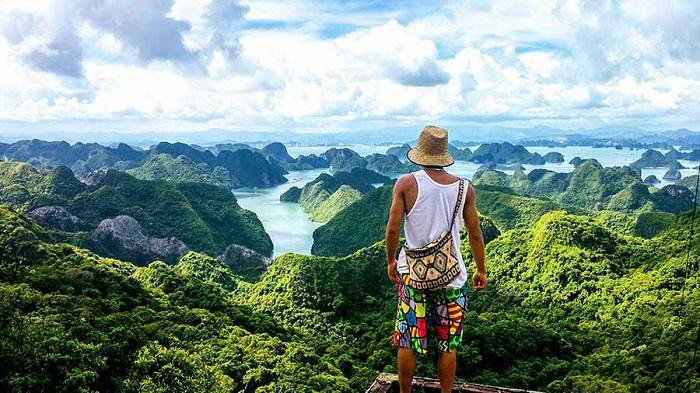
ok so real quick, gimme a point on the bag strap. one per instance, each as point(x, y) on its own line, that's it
point(459, 202)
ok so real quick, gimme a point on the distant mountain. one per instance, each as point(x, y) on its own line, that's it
point(655, 159)
point(592, 187)
point(473, 133)
point(458, 154)
point(345, 159)
point(233, 168)
point(244, 167)
point(82, 158)
point(505, 153)
point(182, 169)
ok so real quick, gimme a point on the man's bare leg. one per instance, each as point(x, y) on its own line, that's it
point(447, 365)
point(406, 360)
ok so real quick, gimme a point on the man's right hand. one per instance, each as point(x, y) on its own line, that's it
point(479, 279)
point(392, 272)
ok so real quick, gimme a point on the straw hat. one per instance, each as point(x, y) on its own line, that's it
point(431, 149)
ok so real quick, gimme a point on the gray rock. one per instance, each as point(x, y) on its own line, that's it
point(123, 237)
point(55, 217)
point(94, 177)
point(245, 262)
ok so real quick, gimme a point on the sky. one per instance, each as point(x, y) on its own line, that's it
point(331, 66)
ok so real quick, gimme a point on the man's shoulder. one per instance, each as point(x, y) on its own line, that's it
point(405, 182)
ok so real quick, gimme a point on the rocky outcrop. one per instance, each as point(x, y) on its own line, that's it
point(690, 182)
point(387, 164)
point(651, 180)
point(502, 153)
point(55, 217)
point(246, 166)
point(460, 154)
point(534, 159)
point(399, 152)
point(368, 176)
point(277, 151)
point(343, 159)
point(302, 163)
point(291, 195)
point(672, 174)
point(553, 157)
point(512, 167)
point(84, 157)
point(576, 161)
point(218, 148)
point(673, 199)
point(655, 159)
point(245, 262)
point(251, 169)
point(123, 238)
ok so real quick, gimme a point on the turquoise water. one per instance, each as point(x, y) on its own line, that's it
point(287, 224)
point(291, 230)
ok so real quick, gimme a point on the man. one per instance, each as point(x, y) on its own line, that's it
point(428, 199)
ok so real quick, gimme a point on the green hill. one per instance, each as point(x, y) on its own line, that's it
point(206, 217)
point(327, 195)
point(592, 187)
point(363, 223)
point(246, 167)
point(571, 306)
point(614, 302)
point(72, 321)
point(343, 197)
point(181, 169)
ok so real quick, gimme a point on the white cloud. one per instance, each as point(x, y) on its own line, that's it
point(337, 66)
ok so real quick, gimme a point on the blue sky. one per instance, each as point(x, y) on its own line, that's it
point(187, 65)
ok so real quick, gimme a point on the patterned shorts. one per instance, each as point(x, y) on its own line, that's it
point(445, 309)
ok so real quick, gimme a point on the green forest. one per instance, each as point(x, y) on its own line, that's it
point(590, 288)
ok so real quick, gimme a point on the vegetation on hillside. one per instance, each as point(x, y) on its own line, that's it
point(181, 169)
point(206, 217)
point(343, 197)
point(342, 235)
point(593, 187)
point(72, 321)
point(571, 306)
point(325, 196)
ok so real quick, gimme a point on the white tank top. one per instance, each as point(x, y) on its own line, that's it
point(430, 216)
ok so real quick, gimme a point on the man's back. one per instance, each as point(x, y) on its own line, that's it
point(431, 201)
point(408, 187)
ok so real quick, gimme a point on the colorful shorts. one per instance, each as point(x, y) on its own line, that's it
point(445, 309)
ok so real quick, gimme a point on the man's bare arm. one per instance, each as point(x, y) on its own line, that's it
point(393, 229)
point(476, 239)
